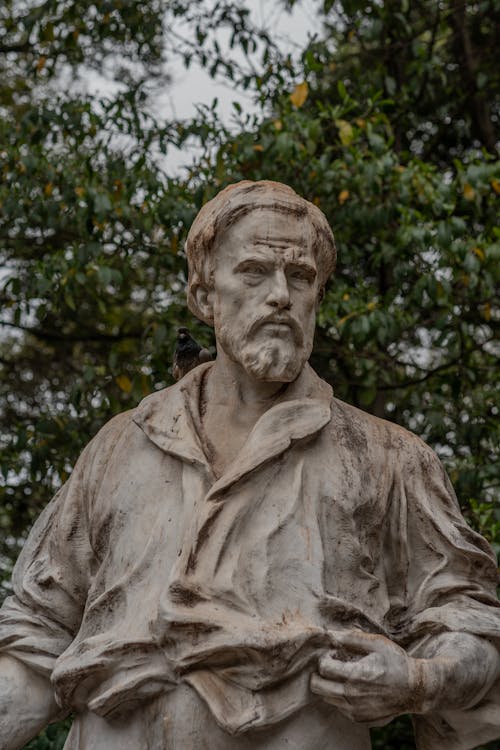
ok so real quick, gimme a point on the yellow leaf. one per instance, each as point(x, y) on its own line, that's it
point(41, 63)
point(258, 147)
point(299, 94)
point(346, 133)
point(371, 305)
point(480, 253)
point(346, 296)
point(124, 383)
point(495, 184)
point(361, 123)
point(343, 196)
point(487, 311)
point(278, 124)
point(80, 191)
point(468, 192)
point(47, 191)
point(145, 385)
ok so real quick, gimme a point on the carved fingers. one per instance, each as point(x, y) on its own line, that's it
point(365, 676)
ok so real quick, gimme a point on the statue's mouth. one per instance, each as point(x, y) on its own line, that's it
point(274, 327)
point(278, 325)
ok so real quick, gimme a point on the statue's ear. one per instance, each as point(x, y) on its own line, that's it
point(321, 294)
point(203, 298)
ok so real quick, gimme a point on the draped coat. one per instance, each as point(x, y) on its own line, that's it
point(175, 608)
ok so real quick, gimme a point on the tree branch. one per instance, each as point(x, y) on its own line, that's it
point(58, 336)
point(480, 112)
point(19, 47)
point(416, 381)
point(430, 49)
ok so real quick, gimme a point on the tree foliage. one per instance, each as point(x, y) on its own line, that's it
point(386, 121)
point(435, 60)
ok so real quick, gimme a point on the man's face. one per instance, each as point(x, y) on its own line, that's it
point(265, 294)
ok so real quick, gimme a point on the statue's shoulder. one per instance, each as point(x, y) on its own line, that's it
point(121, 435)
point(159, 400)
point(360, 429)
point(114, 427)
point(156, 404)
point(99, 450)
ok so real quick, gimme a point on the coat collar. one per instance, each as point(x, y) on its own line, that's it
point(170, 419)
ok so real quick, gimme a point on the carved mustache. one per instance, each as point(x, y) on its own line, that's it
point(279, 319)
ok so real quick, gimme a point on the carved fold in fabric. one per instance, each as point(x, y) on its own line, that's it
point(239, 579)
point(237, 709)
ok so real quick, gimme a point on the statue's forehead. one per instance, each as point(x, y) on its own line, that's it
point(270, 225)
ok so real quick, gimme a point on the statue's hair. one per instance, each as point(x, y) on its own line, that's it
point(236, 201)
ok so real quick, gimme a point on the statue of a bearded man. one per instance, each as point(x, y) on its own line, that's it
point(244, 561)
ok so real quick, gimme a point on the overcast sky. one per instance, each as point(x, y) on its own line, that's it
point(194, 86)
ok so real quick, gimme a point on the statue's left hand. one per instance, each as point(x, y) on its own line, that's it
point(367, 677)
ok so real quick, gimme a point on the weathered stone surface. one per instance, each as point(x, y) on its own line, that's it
point(245, 561)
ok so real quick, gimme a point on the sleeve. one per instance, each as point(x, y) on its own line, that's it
point(450, 577)
point(51, 577)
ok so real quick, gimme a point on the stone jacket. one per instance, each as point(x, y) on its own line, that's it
point(147, 571)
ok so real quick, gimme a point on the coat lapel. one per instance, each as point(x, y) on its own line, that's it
point(169, 419)
point(276, 431)
point(166, 418)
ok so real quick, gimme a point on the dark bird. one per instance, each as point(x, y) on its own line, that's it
point(188, 354)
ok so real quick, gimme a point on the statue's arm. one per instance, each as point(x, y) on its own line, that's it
point(461, 706)
point(27, 703)
point(39, 619)
point(441, 577)
point(454, 671)
point(50, 583)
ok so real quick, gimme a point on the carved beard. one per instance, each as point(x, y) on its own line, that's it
point(262, 354)
point(272, 360)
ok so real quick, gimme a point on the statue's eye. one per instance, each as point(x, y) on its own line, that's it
point(253, 270)
point(301, 274)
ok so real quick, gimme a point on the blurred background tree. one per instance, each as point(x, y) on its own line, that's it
point(387, 120)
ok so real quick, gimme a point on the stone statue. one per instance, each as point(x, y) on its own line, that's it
point(244, 561)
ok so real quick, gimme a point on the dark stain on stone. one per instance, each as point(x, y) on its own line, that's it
point(203, 535)
point(179, 594)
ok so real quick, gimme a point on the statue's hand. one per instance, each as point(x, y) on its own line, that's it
point(369, 678)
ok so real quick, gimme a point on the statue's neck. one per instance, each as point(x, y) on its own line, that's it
point(232, 402)
point(231, 386)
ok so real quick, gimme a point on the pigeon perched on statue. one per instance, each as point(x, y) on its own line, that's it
point(188, 354)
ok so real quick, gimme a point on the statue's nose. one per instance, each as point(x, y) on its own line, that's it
point(279, 294)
